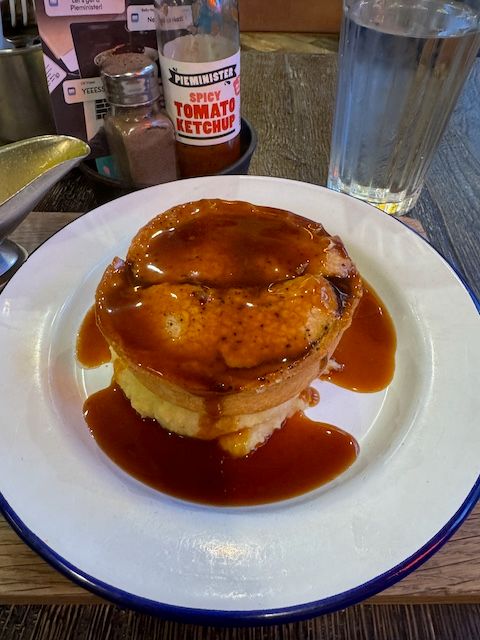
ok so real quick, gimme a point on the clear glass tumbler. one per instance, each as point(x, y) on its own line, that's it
point(402, 65)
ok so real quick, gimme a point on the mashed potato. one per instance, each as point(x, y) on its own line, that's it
point(253, 429)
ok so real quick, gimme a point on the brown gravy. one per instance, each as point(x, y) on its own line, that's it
point(92, 348)
point(366, 352)
point(299, 457)
point(198, 282)
point(187, 303)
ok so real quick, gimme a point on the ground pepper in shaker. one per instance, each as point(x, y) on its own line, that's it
point(141, 137)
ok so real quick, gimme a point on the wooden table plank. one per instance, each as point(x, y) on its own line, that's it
point(363, 622)
point(39, 226)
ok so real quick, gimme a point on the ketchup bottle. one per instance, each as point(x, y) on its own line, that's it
point(199, 48)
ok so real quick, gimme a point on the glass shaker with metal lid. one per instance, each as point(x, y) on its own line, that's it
point(140, 135)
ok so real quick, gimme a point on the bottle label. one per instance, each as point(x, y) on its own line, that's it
point(203, 99)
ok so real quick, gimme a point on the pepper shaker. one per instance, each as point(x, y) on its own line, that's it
point(140, 135)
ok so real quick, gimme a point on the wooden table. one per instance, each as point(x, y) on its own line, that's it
point(289, 99)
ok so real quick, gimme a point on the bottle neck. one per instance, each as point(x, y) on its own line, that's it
point(188, 32)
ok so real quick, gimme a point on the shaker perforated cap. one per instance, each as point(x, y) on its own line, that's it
point(130, 79)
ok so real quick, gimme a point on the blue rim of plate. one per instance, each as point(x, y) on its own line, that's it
point(223, 618)
point(283, 615)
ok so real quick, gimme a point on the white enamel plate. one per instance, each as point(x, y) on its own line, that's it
point(414, 481)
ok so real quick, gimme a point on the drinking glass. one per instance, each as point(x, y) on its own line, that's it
point(402, 65)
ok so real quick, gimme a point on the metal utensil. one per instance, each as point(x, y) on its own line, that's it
point(25, 107)
point(17, 19)
point(19, 13)
point(2, 39)
point(28, 169)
